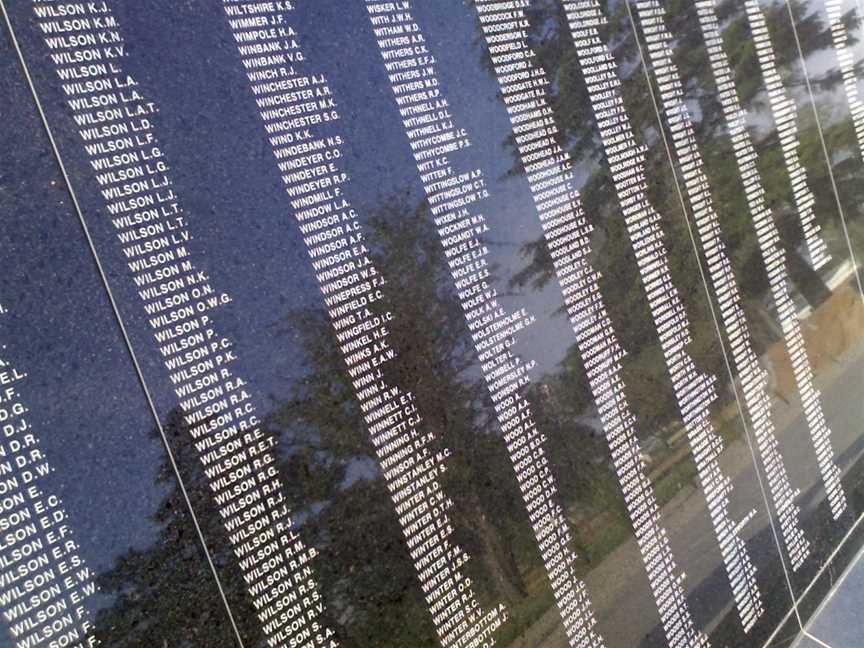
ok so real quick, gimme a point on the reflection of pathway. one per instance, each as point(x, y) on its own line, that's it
point(835, 332)
point(829, 333)
point(838, 622)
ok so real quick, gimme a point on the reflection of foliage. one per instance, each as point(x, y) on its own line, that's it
point(329, 471)
point(329, 446)
point(555, 53)
point(166, 594)
point(645, 373)
point(355, 524)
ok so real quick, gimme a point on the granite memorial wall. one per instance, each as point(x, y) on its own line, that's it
point(416, 323)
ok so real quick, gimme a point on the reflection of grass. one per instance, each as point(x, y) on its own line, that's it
point(595, 536)
point(729, 428)
point(615, 532)
point(526, 613)
point(608, 527)
point(600, 525)
point(681, 474)
point(615, 528)
point(600, 534)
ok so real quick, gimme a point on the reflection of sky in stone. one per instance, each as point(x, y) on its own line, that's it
point(86, 405)
point(245, 238)
point(183, 55)
point(228, 183)
point(472, 91)
point(825, 60)
point(359, 469)
point(85, 402)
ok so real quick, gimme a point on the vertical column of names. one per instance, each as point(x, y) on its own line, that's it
point(455, 199)
point(754, 378)
point(694, 390)
point(567, 232)
point(115, 122)
point(297, 106)
point(841, 42)
point(785, 116)
point(44, 582)
point(773, 256)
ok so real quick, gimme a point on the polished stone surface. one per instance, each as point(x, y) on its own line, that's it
point(839, 623)
point(383, 337)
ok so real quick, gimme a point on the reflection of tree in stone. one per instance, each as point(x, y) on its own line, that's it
point(646, 372)
point(165, 594)
point(554, 49)
point(329, 469)
point(366, 570)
